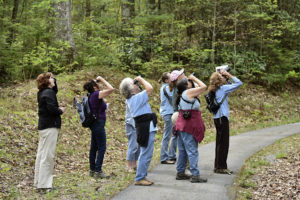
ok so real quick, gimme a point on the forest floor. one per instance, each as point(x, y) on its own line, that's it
point(272, 173)
point(252, 107)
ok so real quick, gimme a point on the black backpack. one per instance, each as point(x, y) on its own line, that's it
point(212, 105)
point(86, 116)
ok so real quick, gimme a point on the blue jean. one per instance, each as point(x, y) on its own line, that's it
point(187, 149)
point(133, 150)
point(168, 152)
point(145, 158)
point(98, 145)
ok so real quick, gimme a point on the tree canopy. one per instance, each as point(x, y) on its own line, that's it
point(259, 39)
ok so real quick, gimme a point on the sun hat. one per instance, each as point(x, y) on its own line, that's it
point(175, 74)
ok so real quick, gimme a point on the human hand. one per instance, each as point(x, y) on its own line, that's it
point(138, 78)
point(62, 108)
point(99, 78)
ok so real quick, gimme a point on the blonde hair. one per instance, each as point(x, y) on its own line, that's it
point(215, 82)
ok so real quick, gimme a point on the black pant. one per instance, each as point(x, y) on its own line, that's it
point(222, 142)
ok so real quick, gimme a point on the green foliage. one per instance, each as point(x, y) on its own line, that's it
point(258, 39)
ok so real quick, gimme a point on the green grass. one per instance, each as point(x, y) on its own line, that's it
point(252, 108)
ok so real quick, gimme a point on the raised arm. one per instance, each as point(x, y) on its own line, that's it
point(200, 88)
point(148, 87)
point(109, 89)
point(228, 88)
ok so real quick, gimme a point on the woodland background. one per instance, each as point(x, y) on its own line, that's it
point(259, 39)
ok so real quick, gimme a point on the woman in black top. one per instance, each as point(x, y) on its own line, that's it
point(48, 126)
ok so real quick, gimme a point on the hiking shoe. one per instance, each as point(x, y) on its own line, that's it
point(197, 179)
point(182, 176)
point(45, 190)
point(168, 162)
point(100, 175)
point(223, 171)
point(92, 173)
point(143, 182)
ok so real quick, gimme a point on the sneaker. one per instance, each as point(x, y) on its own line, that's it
point(173, 159)
point(100, 175)
point(92, 173)
point(143, 182)
point(223, 171)
point(168, 162)
point(149, 181)
point(45, 190)
point(197, 179)
point(182, 176)
point(131, 170)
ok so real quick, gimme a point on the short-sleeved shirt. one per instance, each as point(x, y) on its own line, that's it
point(128, 117)
point(165, 107)
point(98, 106)
point(221, 92)
point(188, 106)
point(138, 105)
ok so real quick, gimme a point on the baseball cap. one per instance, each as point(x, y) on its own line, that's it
point(175, 73)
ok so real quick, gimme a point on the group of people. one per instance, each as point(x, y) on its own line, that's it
point(179, 109)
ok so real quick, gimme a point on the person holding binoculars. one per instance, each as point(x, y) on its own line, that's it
point(222, 87)
point(189, 127)
point(145, 122)
point(98, 136)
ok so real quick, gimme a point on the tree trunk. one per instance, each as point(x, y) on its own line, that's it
point(151, 5)
point(13, 20)
point(213, 47)
point(127, 10)
point(235, 27)
point(88, 15)
point(63, 26)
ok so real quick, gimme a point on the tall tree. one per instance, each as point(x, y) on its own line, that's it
point(63, 26)
point(13, 19)
point(88, 10)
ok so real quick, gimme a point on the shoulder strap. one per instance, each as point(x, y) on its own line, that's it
point(166, 94)
point(223, 99)
point(189, 101)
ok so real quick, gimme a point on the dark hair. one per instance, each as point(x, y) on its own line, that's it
point(182, 85)
point(165, 76)
point(89, 86)
point(43, 80)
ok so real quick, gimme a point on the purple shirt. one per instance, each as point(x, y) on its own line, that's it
point(98, 106)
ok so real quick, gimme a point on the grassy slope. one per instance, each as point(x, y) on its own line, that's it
point(252, 107)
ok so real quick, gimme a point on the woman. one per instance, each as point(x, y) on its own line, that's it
point(49, 125)
point(133, 150)
point(98, 136)
point(167, 153)
point(145, 123)
point(218, 84)
point(189, 128)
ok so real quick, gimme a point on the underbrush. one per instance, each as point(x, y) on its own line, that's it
point(252, 107)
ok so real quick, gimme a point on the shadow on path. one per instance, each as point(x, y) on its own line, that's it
point(218, 186)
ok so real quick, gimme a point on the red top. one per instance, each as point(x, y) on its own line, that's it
point(193, 125)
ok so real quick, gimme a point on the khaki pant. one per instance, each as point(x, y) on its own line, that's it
point(44, 163)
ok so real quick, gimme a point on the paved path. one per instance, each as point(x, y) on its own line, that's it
point(218, 186)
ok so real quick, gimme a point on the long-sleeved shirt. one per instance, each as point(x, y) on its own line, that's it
point(221, 92)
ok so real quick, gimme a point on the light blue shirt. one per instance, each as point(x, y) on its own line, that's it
point(221, 92)
point(128, 117)
point(165, 107)
point(188, 106)
point(138, 105)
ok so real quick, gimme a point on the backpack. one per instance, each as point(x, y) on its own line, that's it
point(212, 105)
point(85, 114)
